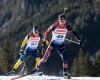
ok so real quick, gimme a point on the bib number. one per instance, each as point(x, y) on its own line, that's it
point(60, 36)
point(33, 44)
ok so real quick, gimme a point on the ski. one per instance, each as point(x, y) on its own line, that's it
point(21, 76)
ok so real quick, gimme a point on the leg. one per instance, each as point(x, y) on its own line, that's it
point(65, 62)
point(36, 65)
point(39, 61)
point(46, 56)
point(37, 57)
point(66, 72)
point(21, 60)
point(18, 63)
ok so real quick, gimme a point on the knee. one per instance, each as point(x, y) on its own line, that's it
point(44, 59)
point(23, 58)
point(65, 64)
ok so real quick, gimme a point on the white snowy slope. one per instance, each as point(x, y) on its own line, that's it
point(44, 77)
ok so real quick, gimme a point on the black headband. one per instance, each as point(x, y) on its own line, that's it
point(62, 17)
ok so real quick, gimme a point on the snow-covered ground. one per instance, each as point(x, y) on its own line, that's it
point(44, 77)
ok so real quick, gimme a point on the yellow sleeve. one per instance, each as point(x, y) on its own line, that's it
point(25, 41)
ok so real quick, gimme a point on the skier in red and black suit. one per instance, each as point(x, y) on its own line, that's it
point(59, 31)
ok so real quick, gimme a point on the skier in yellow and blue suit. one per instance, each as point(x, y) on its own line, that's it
point(29, 47)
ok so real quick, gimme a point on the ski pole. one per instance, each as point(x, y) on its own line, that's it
point(73, 41)
point(43, 49)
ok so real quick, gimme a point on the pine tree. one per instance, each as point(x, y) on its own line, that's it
point(79, 65)
point(75, 68)
point(8, 55)
point(97, 65)
point(3, 61)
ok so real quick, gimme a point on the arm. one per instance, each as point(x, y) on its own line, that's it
point(24, 43)
point(74, 32)
point(47, 33)
point(49, 30)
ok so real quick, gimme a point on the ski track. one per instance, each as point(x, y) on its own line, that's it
point(45, 77)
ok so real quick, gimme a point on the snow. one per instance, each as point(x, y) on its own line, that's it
point(45, 77)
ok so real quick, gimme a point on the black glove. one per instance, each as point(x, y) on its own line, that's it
point(45, 42)
point(21, 52)
point(82, 44)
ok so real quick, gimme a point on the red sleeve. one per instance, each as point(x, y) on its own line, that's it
point(50, 29)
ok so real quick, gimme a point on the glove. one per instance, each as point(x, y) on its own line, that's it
point(45, 42)
point(80, 41)
point(21, 52)
point(82, 44)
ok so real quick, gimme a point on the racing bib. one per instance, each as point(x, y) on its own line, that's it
point(58, 35)
point(33, 42)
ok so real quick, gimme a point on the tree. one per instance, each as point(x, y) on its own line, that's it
point(79, 67)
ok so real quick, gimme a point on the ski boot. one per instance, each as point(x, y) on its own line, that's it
point(34, 71)
point(67, 75)
point(12, 72)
